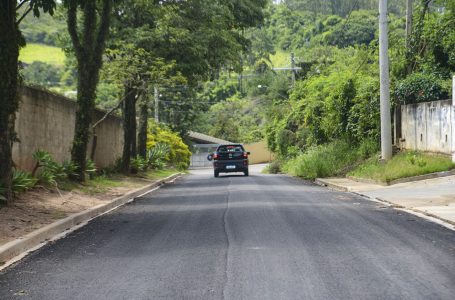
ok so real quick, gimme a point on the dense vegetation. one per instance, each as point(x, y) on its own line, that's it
point(329, 121)
point(212, 65)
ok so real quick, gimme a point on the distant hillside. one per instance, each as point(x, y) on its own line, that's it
point(42, 53)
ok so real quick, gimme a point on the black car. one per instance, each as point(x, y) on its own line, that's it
point(229, 158)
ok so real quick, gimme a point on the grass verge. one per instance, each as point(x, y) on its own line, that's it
point(332, 159)
point(405, 164)
point(103, 183)
point(44, 53)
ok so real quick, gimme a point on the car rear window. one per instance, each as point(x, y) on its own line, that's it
point(230, 149)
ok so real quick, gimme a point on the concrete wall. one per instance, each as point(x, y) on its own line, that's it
point(259, 153)
point(428, 126)
point(45, 121)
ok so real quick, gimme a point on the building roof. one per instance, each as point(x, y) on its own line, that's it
point(206, 139)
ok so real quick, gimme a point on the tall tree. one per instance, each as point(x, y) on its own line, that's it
point(10, 41)
point(88, 43)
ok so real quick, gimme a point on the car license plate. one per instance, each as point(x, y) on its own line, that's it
point(230, 167)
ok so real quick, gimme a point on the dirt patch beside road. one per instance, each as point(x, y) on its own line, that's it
point(41, 206)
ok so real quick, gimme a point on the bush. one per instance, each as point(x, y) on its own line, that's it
point(50, 172)
point(420, 87)
point(46, 169)
point(333, 159)
point(368, 148)
point(274, 167)
point(157, 156)
point(138, 164)
point(22, 181)
point(178, 153)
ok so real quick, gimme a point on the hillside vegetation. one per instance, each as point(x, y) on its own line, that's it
point(42, 53)
point(327, 123)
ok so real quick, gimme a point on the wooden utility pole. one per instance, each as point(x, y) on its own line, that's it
point(157, 104)
point(386, 132)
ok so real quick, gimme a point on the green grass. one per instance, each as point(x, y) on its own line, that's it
point(328, 160)
point(281, 59)
point(44, 53)
point(405, 164)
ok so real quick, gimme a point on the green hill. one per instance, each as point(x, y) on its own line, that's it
point(43, 53)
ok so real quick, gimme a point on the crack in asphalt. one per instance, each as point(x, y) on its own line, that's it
point(226, 233)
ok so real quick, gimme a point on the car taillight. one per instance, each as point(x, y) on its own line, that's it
point(245, 154)
point(215, 156)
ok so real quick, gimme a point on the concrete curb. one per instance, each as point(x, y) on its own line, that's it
point(14, 248)
point(322, 182)
point(420, 213)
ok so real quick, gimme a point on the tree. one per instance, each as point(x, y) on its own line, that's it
point(88, 43)
point(10, 41)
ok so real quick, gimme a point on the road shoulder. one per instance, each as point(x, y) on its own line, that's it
point(434, 198)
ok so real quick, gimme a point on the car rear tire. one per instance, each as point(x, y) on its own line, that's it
point(246, 173)
point(216, 173)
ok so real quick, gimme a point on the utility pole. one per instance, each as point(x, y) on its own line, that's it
point(408, 22)
point(293, 68)
point(157, 104)
point(241, 75)
point(386, 132)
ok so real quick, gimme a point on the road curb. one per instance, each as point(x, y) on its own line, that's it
point(322, 182)
point(30, 241)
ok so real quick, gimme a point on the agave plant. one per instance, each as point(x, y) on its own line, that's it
point(157, 155)
point(138, 164)
point(22, 181)
point(90, 168)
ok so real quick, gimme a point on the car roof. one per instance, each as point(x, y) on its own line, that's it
point(230, 145)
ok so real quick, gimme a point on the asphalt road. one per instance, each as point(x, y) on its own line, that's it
point(235, 237)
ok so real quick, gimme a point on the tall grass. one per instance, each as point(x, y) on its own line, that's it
point(405, 164)
point(327, 160)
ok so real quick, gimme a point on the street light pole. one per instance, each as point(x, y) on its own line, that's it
point(157, 105)
point(386, 131)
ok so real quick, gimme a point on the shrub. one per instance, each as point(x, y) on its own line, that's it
point(22, 181)
point(138, 164)
point(368, 148)
point(326, 160)
point(178, 154)
point(157, 156)
point(274, 167)
point(420, 87)
point(49, 171)
point(90, 168)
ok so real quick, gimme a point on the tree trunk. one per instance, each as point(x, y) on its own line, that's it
point(89, 48)
point(9, 53)
point(143, 126)
point(85, 105)
point(129, 128)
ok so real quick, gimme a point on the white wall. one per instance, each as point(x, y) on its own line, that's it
point(428, 126)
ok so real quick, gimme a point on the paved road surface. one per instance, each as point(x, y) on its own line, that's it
point(261, 237)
